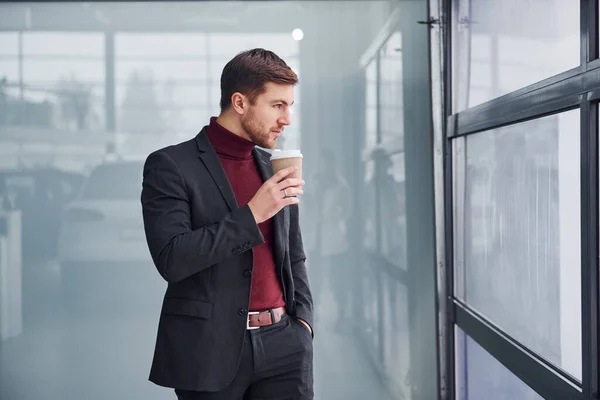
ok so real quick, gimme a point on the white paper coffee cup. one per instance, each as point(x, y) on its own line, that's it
point(281, 159)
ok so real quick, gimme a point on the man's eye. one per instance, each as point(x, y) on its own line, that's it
point(278, 105)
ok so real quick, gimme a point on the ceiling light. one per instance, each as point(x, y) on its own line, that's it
point(297, 34)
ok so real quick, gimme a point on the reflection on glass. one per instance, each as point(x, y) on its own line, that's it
point(9, 43)
point(370, 326)
point(88, 283)
point(522, 234)
point(396, 335)
point(145, 45)
point(369, 206)
point(114, 181)
point(497, 50)
point(390, 87)
point(481, 376)
point(227, 45)
point(392, 202)
point(82, 44)
point(9, 73)
point(163, 70)
point(168, 83)
point(171, 94)
point(62, 77)
point(45, 72)
point(371, 104)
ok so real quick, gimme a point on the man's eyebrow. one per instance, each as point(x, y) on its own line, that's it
point(282, 101)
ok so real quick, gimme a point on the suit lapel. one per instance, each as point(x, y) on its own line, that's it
point(209, 157)
point(280, 219)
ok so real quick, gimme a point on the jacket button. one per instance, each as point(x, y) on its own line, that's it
point(247, 273)
point(242, 312)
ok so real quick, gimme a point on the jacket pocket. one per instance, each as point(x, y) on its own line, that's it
point(189, 307)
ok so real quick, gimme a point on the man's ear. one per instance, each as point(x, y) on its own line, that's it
point(238, 103)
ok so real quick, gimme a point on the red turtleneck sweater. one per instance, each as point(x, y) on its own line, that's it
point(235, 154)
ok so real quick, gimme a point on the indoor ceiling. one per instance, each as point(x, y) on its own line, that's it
point(155, 16)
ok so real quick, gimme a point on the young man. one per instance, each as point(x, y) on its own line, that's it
point(223, 231)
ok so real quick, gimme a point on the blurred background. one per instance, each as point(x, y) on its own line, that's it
point(88, 89)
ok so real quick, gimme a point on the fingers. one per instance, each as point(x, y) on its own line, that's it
point(283, 173)
point(290, 200)
point(290, 182)
point(292, 191)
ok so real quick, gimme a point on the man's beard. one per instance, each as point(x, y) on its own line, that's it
point(256, 131)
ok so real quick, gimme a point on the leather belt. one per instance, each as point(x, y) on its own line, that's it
point(256, 319)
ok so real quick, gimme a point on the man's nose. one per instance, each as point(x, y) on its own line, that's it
point(286, 119)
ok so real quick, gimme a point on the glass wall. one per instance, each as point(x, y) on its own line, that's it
point(521, 199)
point(86, 92)
point(497, 50)
point(398, 321)
point(522, 259)
point(479, 375)
point(168, 83)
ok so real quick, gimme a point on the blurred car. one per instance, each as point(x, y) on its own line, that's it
point(103, 253)
point(41, 194)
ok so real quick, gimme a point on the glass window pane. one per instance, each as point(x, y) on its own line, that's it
point(50, 71)
point(227, 45)
point(215, 68)
point(215, 95)
point(143, 109)
point(169, 94)
point(291, 137)
point(63, 76)
point(522, 243)
point(181, 71)
point(71, 44)
point(481, 376)
point(501, 49)
point(114, 181)
point(128, 45)
point(191, 121)
point(9, 43)
point(9, 70)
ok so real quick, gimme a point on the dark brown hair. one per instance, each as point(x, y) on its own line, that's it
point(249, 72)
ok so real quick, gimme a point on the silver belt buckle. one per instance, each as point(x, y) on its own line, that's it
point(248, 327)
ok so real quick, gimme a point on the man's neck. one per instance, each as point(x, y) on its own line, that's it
point(232, 124)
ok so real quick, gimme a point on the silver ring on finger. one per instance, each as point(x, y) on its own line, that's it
point(285, 194)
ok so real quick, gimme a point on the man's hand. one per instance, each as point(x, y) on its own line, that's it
point(305, 324)
point(274, 194)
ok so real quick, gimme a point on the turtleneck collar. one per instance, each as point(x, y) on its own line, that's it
point(228, 144)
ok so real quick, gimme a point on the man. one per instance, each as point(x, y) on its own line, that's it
point(223, 231)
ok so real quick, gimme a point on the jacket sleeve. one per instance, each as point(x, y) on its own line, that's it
point(178, 251)
point(302, 294)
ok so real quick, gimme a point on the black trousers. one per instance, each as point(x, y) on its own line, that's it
point(276, 364)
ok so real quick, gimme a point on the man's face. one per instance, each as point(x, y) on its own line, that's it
point(269, 115)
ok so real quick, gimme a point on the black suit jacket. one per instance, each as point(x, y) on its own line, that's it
point(201, 241)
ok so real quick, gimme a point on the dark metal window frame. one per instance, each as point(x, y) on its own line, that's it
point(575, 88)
